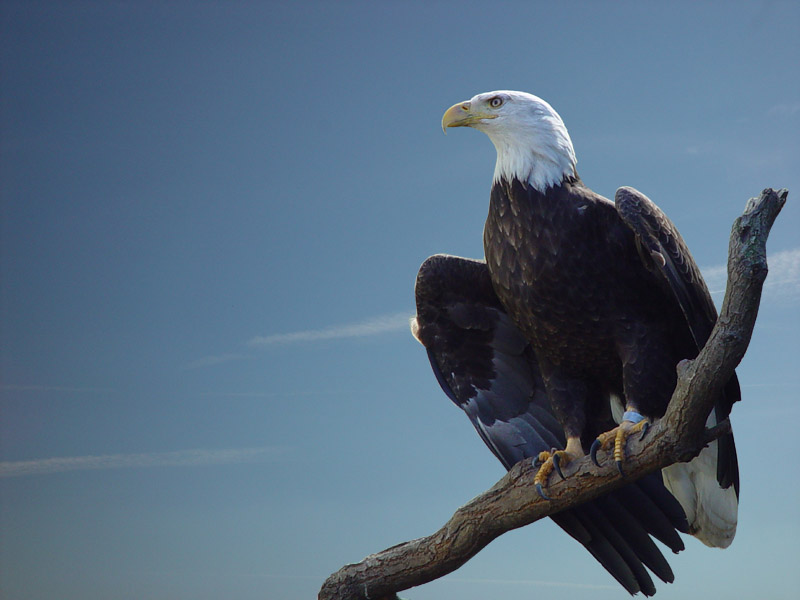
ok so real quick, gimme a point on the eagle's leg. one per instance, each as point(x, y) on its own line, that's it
point(553, 461)
point(632, 422)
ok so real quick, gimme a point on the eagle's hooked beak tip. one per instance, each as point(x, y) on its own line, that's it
point(456, 116)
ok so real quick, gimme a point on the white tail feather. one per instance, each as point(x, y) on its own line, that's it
point(711, 510)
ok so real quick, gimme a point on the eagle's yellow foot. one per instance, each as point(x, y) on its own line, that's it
point(553, 461)
point(632, 423)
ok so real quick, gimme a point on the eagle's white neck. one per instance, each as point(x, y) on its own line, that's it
point(540, 159)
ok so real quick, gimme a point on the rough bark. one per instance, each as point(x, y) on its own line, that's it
point(677, 437)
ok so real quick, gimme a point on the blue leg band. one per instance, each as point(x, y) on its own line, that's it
point(632, 416)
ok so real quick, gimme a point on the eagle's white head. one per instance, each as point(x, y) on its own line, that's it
point(532, 142)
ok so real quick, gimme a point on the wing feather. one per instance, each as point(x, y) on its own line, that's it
point(664, 253)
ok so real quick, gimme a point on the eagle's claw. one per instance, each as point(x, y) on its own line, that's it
point(547, 463)
point(541, 491)
point(593, 451)
point(557, 464)
point(617, 438)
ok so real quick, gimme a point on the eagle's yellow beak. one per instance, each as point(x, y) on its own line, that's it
point(463, 115)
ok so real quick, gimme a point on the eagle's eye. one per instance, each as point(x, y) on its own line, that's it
point(496, 102)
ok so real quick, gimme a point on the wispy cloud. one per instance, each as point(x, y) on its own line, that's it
point(180, 458)
point(532, 582)
point(55, 388)
point(291, 394)
point(217, 359)
point(708, 147)
point(367, 327)
point(783, 281)
point(716, 278)
point(784, 110)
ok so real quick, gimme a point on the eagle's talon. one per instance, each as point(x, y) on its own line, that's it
point(604, 441)
point(645, 429)
point(541, 491)
point(593, 451)
point(557, 464)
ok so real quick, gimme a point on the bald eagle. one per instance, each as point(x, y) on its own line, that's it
point(569, 332)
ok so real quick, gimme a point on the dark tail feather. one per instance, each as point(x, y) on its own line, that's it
point(666, 502)
point(582, 530)
point(647, 512)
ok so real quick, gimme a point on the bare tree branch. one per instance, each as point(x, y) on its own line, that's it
point(677, 437)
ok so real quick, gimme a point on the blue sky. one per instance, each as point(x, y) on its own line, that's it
point(212, 216)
